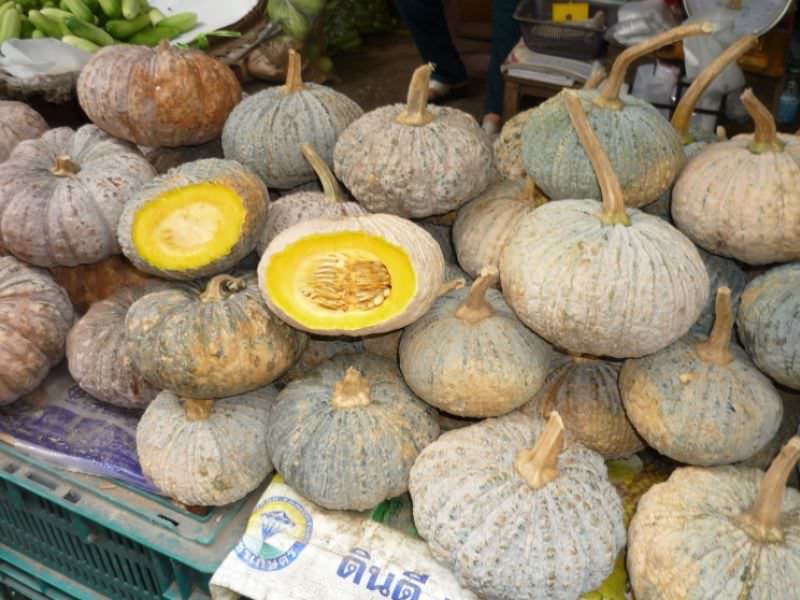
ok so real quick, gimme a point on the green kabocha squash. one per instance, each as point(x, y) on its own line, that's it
point(722, 272)
point(194, 221)
point(597, 279)
point(414, 160)
point(724, 532)
point(644, 149)
point(206, 452)
point(470, 356)
point(702, 401)
point(211, 344)
point(345, 436)
point(518, 510)
point(267, 130)
point(18, 122)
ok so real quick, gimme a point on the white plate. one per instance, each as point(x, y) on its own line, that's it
point(211, 14)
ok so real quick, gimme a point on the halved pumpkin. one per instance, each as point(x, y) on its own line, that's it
point(353, 275)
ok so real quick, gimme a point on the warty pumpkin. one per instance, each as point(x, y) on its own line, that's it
point(470, 356)
point(35, 316)
point(206, 452)
point(61, 196)
point(518, 510)
point(18, 122)
point(164, 96)
point(725, 532)
point(702, 401)
point(351, 276)
point(345, 436)
point(210, 344)
point(196, 220)
point(722, 272)
point(601, 280)
point(414, 160)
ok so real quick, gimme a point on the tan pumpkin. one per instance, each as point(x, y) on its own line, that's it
point(18, 122)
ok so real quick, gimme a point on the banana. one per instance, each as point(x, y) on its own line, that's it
point(45, 24)
point(131, 9)
point(123, 29)
point(181, 21)
point(153, 35)
point(111, 8)
point(87, 31)
point(10, 25)
point(81, 43)
point(79, 9)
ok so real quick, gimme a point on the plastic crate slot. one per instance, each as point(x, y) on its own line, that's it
point(10, 468)
point(36, 478)
point(72, 497)
point(169, 520)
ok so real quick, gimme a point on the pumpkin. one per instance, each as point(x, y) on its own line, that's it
point(318, 351)
point(598, 280)
point(453, 271)
point(414, 160)
point(470, 356)
point(534, 516)
point(741, 198)
point(726, 532)
point(98, 353)
point(485, 224)
point(788, 428)
point(584, 391)
point(211, 344)
point(206, 452)
point(443, 234)
point(768, 323)
point(196, 220)
point(722, 272)
point(345, 436)
point(267, 130)
point(164, 159)
point(62, 194)
point(644, 149)
point(164, 96)
point(35, 316)
point(304, 205)
point(18, 122)
point(351, 276)
point(702, 401)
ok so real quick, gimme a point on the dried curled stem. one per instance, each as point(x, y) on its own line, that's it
point(351, 391)
point(222, 286)
point(765, 138)
point(538, 466)
point(65, 167)
point(716, 348)
point(197, 410)
point(330, 186)
point(416, 113)
point(475, 308)
point(294, 74)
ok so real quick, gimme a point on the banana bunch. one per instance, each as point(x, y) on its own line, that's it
point(346, 21)
point(296, 17)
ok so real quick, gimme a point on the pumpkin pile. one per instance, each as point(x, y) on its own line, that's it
point(403, 284)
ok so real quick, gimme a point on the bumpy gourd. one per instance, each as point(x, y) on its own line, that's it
point(702, 401)
point(722, 272)
point(598, 280)
point(345, 436)
point(517, 510)
point(414, 160)
point(18, 122)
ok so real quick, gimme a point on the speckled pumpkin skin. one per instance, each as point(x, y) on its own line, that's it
point(349, 459)
point(502, 538)
point(768, 323)
point(213, 170)
point(98, 355)
point(212, 462)
point(213, 348)
point(481, 369)
point(722, 272)
point(49, 221)
point(697, 412)
point(35, 316)
point(604, 290)
point(161, 96)
point(586, 395)
point(508, 146)
point(644, 149)
point(414, 171)
point(684, 543)
point(18, 122)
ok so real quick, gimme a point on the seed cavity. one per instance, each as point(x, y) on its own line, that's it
point(344, 282)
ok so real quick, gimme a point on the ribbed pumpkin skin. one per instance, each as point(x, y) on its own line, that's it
point(768, 323)
point(97, 351)
point(643, 147)
point(213, 170)
point(414, 171)
point(722, 272)
point(161, 96)
point(508, 146)
point(49, 220)
point(586, 395)
point(352, 458)
point(35, 316)
point(18, 122)
point(604, 290)
point(213, 346)
point(503, 539)
point(212, 462)
point(265, 132)
point(684, 542)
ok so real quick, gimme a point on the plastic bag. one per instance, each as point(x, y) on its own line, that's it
point(656, 83)
point(637, 21)
point(700, 50)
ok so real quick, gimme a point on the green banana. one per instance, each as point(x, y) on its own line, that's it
point(89, 32)
point(153, 35)
point(81, 43)
point(7, 7)
point(181, 21)
point(131, 9)
point(310, 8)
point(26, 28)
point(123, 29)
point(56, 13)
point(111, 8)
point(289, 18)
point(37, 35)
point(10, 25)
point(155, 16)
point(79, 9)
point(45, 24)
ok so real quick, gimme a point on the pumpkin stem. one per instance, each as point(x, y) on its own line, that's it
point(683, 112)
point(765, 138)
point(197, 410)
point(351, 391)
point(596, 78)
point(163, 46)
point(613, 212)
point(583, 358)
point(416, 112)
point(449, 286)
point(222, 286)
point(716, 348)
point(609, 94)
point(721, 132)
point(762, 521)
point(475, 308)
point(330, 186)
point(538, 466)
point(65, 166)
point(294, 74)
point(530, 194)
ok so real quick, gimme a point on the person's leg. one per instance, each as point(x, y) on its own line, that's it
point(505, 35)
